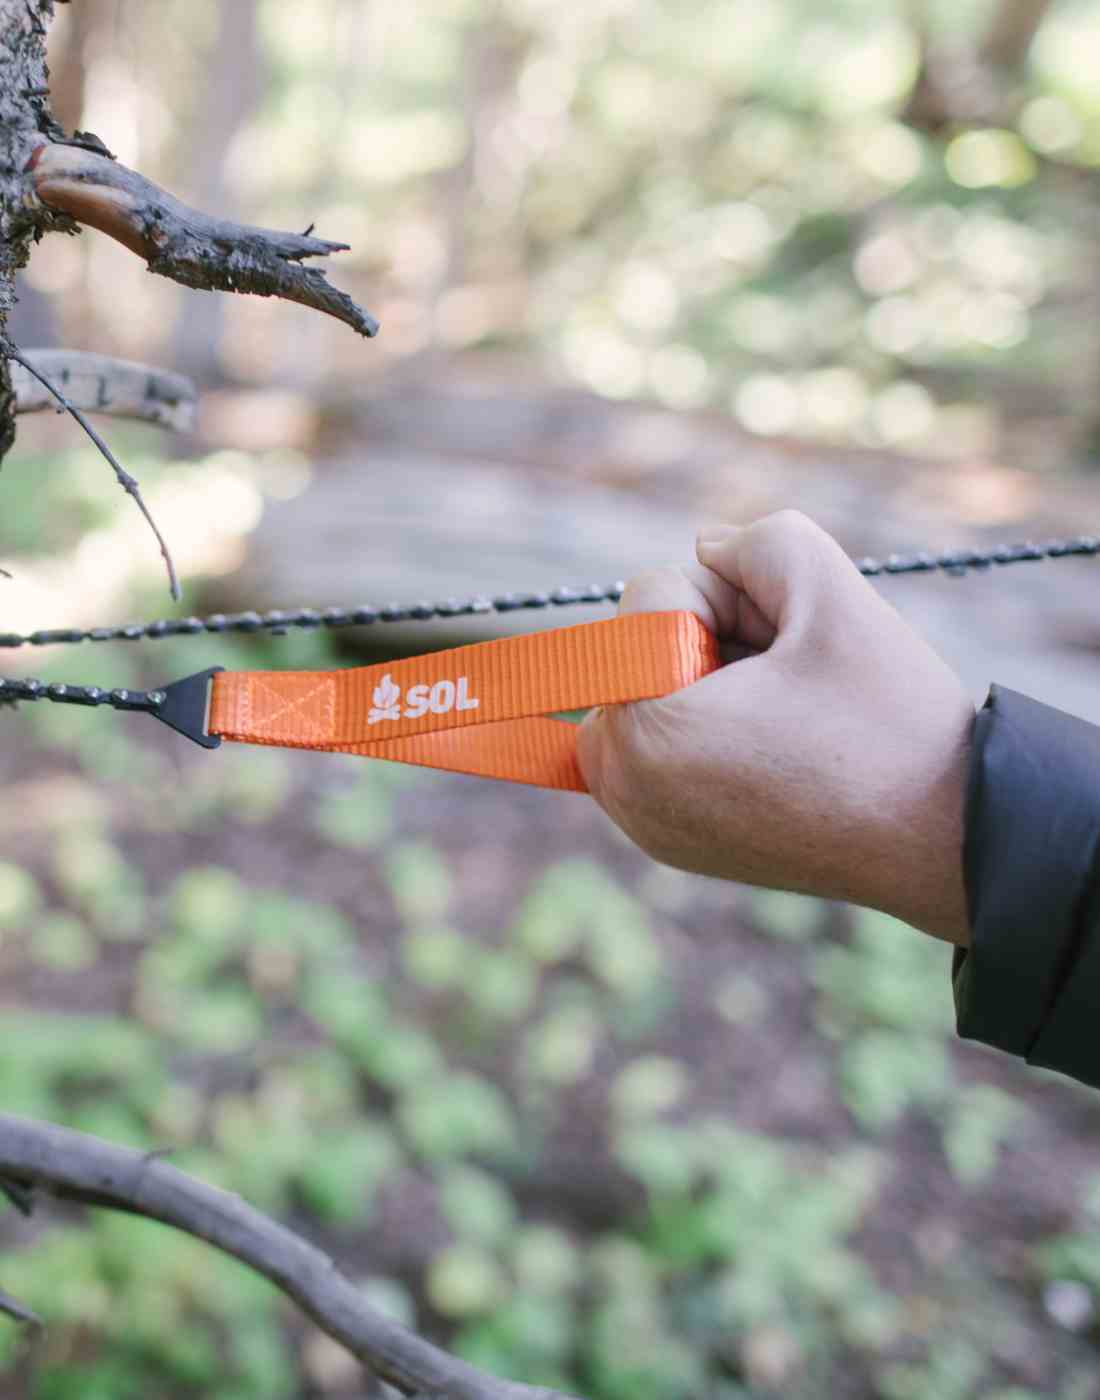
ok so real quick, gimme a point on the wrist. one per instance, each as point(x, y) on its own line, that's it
point(920, 878)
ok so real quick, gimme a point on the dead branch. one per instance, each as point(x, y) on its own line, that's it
point(125, 480)
point(102, 384)
point(13, 1308)
point(178, 242)
point(76, 1167)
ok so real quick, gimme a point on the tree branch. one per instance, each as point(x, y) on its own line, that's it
point(976, 81)
point(125, 480)
point(85, 1169)
point(13, 1308)
point(101, 384)
point(178, 242)
point(1012, 32)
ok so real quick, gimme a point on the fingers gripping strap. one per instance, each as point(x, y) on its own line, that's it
point(475, 709)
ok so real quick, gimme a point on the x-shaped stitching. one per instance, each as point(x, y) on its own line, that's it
point(289, 706)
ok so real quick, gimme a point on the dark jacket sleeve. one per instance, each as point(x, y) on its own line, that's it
point(1030, 981)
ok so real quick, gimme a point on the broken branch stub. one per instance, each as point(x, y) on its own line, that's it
point(183, 244)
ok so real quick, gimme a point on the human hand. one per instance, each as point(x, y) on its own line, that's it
point(829, 758)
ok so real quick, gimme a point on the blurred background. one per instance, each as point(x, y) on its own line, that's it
point(593, 1123)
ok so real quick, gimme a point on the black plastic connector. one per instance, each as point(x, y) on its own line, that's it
point(186, 707)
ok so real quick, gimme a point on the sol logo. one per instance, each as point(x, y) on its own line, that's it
point(439, 699)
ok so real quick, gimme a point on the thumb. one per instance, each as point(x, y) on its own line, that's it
point(591, 746)
point(662, 590)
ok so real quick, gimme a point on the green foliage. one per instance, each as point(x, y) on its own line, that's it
point(884, 978)
point(884, 1073)
point(545, 1260)
point(648, 1086)
point(1073, 1255)
point(19, 896)
point(461, 1114)
point(560, 1047)
point(154, 1296)
point(62, 1065)
point(887, 996)
point(951, 1373)
point(359, 817)
point(475, 1206)
point(420, 881)
point(464, 1279)
point(346, 1170)
point(782, 915)
point(578, 909)
point(980, 1120)
point(435, 957)
point(534, 1335)
point(62, 941)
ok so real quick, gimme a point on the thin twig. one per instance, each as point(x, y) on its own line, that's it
point(19, 1193)
point(15, 1309)
point(125, 480)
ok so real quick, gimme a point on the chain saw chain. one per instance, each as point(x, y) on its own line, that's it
point(956, 564)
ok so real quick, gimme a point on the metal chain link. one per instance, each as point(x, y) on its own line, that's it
point(278, 622)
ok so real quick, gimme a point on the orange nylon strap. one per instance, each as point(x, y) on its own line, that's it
point(475, 709)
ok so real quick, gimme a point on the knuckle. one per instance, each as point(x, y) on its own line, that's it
point(792, 523)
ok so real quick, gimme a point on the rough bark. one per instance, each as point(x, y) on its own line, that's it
point(24, 123)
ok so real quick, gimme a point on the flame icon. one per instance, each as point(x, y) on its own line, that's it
point(387, 701)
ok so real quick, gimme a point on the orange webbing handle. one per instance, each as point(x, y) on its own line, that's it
point(475, 709)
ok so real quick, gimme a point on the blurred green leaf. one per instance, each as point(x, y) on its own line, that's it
point(435, 957)
point(545, 1260)
point(457, 1115)
point(63, 942)
point(475, 1205)
point(358, 818)
point(559, 1048)
point(981, 1121)
point(649, 1086)
point(500, 983)
point(795, 917)
point(346, 1170)
point(19, 896)
point(464, 1279)
point(420, 881)
point(885, 1073)
point(209, 904)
